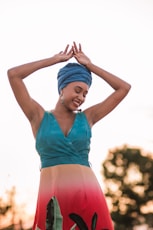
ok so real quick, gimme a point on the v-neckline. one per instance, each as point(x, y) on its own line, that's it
point(69, 131)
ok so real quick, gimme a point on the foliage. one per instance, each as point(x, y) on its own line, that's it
point(9, 211)
point(128, 175)
point(4, 208)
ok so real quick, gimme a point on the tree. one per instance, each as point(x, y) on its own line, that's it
point(128, 176)
point(4, 209)
point(9, 210)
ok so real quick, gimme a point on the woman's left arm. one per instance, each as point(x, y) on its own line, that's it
point(121, 88)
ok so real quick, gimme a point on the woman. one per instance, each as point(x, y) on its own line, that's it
point(69, 194)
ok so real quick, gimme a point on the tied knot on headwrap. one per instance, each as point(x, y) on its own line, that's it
point(73, 72)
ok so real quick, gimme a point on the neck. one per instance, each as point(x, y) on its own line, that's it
point(61, 109)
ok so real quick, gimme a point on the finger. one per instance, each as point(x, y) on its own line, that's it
point(66, 49)
point(71, 51)
point(80, 48)
point(75, 47)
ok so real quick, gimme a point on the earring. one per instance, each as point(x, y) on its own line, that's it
point(61, 98)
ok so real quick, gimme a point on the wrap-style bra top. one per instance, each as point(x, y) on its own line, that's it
point(54, 148)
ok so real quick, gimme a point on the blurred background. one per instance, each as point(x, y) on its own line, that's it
point(116, 35)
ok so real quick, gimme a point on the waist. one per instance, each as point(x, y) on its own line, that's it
point(53, 161)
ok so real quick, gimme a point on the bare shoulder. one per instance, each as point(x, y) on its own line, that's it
point(90, 114)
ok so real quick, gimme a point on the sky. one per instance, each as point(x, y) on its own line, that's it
point(117, 35)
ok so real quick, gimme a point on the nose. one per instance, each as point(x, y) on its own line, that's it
point(81, 97)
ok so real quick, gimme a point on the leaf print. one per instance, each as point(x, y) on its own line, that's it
point(94, 221)
point(73, 227)
point(50, 216)
point(54, 219)
point(79, 221)
point(37, 228)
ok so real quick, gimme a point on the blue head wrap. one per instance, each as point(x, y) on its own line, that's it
point(73, 72)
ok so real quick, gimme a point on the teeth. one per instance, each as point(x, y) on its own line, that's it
point(76, 103)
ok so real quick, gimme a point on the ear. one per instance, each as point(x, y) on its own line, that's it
point(61, 93)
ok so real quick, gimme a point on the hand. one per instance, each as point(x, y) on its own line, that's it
point(64, 55)
point(79, 55)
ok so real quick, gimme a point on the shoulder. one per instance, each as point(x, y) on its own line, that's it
point(83, 115)
point(88, 113)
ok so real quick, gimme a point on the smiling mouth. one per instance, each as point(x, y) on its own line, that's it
point(76, 103)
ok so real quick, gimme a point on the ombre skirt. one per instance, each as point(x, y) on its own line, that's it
point(70, 198)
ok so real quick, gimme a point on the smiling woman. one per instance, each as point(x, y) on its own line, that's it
point(75, 88)
point(69, 196)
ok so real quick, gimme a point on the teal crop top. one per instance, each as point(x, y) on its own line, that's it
point(54, 148)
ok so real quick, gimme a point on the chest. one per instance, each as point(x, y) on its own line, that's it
point(65, 124)
point(51, 137)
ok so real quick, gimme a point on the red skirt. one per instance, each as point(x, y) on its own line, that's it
point(70, 198)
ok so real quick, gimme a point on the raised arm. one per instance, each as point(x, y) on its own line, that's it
point(121, 88)
point(30, 107)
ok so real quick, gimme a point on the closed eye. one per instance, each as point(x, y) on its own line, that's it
point(79, 89)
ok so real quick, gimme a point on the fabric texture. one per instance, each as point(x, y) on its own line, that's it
point(54, 148)
point(73, 72)
point(70, 197)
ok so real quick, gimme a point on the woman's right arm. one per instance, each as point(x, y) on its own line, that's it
point(30, 107)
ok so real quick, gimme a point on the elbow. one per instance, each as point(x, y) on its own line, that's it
point(11, 73)
point(128, 87)
point(124, 90)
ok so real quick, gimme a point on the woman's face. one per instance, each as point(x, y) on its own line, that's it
point(74, 94)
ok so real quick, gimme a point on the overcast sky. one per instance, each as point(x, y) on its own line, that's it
point(116, 35)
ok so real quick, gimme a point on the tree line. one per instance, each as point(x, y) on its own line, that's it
point(128, 176)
